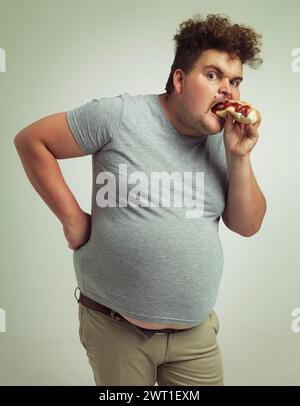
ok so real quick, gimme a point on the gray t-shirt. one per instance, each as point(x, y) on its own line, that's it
point(154, 253)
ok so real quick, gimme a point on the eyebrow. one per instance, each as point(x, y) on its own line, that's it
point(221, 72)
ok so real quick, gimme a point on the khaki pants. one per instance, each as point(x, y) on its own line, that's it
point(121, 355)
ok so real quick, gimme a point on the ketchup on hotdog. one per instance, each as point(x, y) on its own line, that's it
point(242, 111)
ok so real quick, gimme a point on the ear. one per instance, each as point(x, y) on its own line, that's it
point(178, 77)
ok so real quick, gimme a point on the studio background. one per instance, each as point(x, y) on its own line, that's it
point(61, 54)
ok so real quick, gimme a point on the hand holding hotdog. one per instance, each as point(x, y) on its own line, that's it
point(240, 130)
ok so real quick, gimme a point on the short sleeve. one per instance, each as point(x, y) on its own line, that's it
point(94, 124)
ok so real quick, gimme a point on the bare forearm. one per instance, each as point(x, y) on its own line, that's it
point(246, 204)
point(45, 175)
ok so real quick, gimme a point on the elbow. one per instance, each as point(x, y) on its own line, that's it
point(245, 230)
point(16, 139)
point(251, 227)
point(249, 232)
point(24, 142)
point(254, 228)
point(19, 140)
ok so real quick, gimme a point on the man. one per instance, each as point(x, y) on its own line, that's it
point(148, 268)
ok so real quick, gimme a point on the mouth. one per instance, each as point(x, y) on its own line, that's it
point(214, 114)
point(219, 106)
point(216, 117)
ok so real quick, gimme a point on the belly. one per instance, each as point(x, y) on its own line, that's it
point(155, 326)
point(158, 274)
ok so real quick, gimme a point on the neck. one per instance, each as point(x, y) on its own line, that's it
point(168, 107)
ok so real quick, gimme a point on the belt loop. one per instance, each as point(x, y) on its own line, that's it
point(78, 299)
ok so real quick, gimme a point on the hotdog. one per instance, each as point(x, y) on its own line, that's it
point(242, 111)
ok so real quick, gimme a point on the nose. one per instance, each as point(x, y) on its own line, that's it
point(224, 88)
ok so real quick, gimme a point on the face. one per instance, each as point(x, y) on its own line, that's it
point(215, 77)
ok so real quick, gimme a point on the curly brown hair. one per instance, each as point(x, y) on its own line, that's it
point(215, 32)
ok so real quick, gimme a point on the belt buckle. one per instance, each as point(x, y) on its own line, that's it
point(113, 314)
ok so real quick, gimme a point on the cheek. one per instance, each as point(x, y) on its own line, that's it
point(236, 94)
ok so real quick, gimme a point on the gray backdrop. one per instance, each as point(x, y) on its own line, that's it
point(63, 53)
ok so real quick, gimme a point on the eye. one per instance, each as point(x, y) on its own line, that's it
point(235, 83)
point(212, 75)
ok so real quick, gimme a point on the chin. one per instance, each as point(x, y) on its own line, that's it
point(214, 125)
point(214, 129)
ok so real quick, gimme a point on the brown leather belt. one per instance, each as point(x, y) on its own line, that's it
point(91, 304)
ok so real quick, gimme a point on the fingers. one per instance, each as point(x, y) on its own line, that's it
point(252, 132)
point(229, 123)
point(242, 127)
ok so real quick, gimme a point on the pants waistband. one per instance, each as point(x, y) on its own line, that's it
point(91, 304)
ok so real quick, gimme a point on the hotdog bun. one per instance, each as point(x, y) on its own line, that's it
point(242, 111)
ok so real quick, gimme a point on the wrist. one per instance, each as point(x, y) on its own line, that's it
point(237, 159)
point(70, 219)
point(238, 164)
